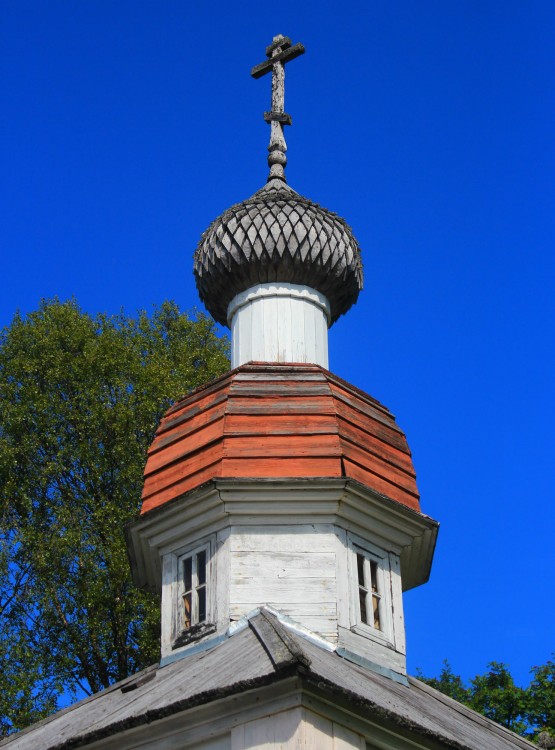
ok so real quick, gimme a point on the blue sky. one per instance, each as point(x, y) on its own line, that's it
point(128, 126)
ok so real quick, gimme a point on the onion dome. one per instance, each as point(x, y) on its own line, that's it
point(277, 235)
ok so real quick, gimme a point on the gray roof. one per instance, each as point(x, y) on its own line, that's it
point(277, 235)
point(260, 654)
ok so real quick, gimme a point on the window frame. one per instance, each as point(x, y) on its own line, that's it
point(195, 586)
point(184, 634)
point(358, 546)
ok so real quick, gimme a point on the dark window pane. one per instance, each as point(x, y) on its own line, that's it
point(201, 567)
point(188, 573)
point(360, 566)
point(362, 601)
point(201, 604)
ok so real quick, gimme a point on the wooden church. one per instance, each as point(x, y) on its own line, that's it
point(280, 520)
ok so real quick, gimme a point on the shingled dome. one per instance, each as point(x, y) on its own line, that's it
point(277, 235)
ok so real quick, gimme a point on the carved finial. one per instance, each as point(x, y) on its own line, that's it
point(279, 52)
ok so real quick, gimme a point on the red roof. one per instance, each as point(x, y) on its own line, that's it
point(278, 421)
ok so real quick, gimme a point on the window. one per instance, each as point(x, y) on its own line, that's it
point(194, 609)
point(194, 587)
point(371, 590)
point(369, 594)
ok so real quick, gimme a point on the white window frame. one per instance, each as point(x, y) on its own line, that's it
point(180, 629)
point(195, 586)
point(385, 634)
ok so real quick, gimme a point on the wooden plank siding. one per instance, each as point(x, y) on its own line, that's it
point(290, 568)
point(278, 421)
point(294, 729)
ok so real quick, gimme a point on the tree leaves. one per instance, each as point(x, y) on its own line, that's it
point(529, 711)
point(541, 697)
point(80, 400)
point(495, 695)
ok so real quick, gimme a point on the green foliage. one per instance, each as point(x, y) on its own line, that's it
point(447, 683)
point(495, 695)
point(541, 699)
point(26, 693)
point(528, 711)
point(80, 400)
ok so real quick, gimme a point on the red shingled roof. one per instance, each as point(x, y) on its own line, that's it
point(281, 421)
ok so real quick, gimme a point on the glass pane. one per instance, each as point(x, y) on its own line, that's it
point(202, 604)
point(376, 612)
point(201, 567)
point(360, 567)
point(188, 573)
point(362, 601)
point(374, 574)
point(187, 610)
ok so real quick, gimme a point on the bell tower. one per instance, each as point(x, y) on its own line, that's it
point(279, 484)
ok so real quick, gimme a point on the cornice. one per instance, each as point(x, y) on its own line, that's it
point(222, 503)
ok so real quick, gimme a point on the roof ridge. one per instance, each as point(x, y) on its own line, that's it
point(282, 647)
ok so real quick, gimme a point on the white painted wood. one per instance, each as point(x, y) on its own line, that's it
point(297, 328)
point(293, 565)
point(232, 714)
point(285, 336)
point(262, 589)
point(346, 739)
point(256, 327)
point(221, 503)
point(267, 348)
point(307, 572)
point(279, 323)
point(169, 595)
point(296, 729)
point(304, 570)
point(398, 617)
point(219, 743)
point(326, 610)
point(317, 732)
point(284, 538)
point(282, 731)
point(342, 575)
point(372, 650)
point(291, 568)
point(221, 587)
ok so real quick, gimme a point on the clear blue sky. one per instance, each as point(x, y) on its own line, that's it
point(128, 126)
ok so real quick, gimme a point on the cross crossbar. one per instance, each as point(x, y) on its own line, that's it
point(288, 54)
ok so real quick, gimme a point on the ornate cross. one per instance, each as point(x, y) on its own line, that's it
point(279, 52)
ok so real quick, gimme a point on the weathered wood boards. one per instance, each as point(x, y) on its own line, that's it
point(290, 568)
point(278, 421)
point(295, 729)
point(233, 696)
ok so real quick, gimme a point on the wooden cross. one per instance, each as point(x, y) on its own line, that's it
point(279, 52)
